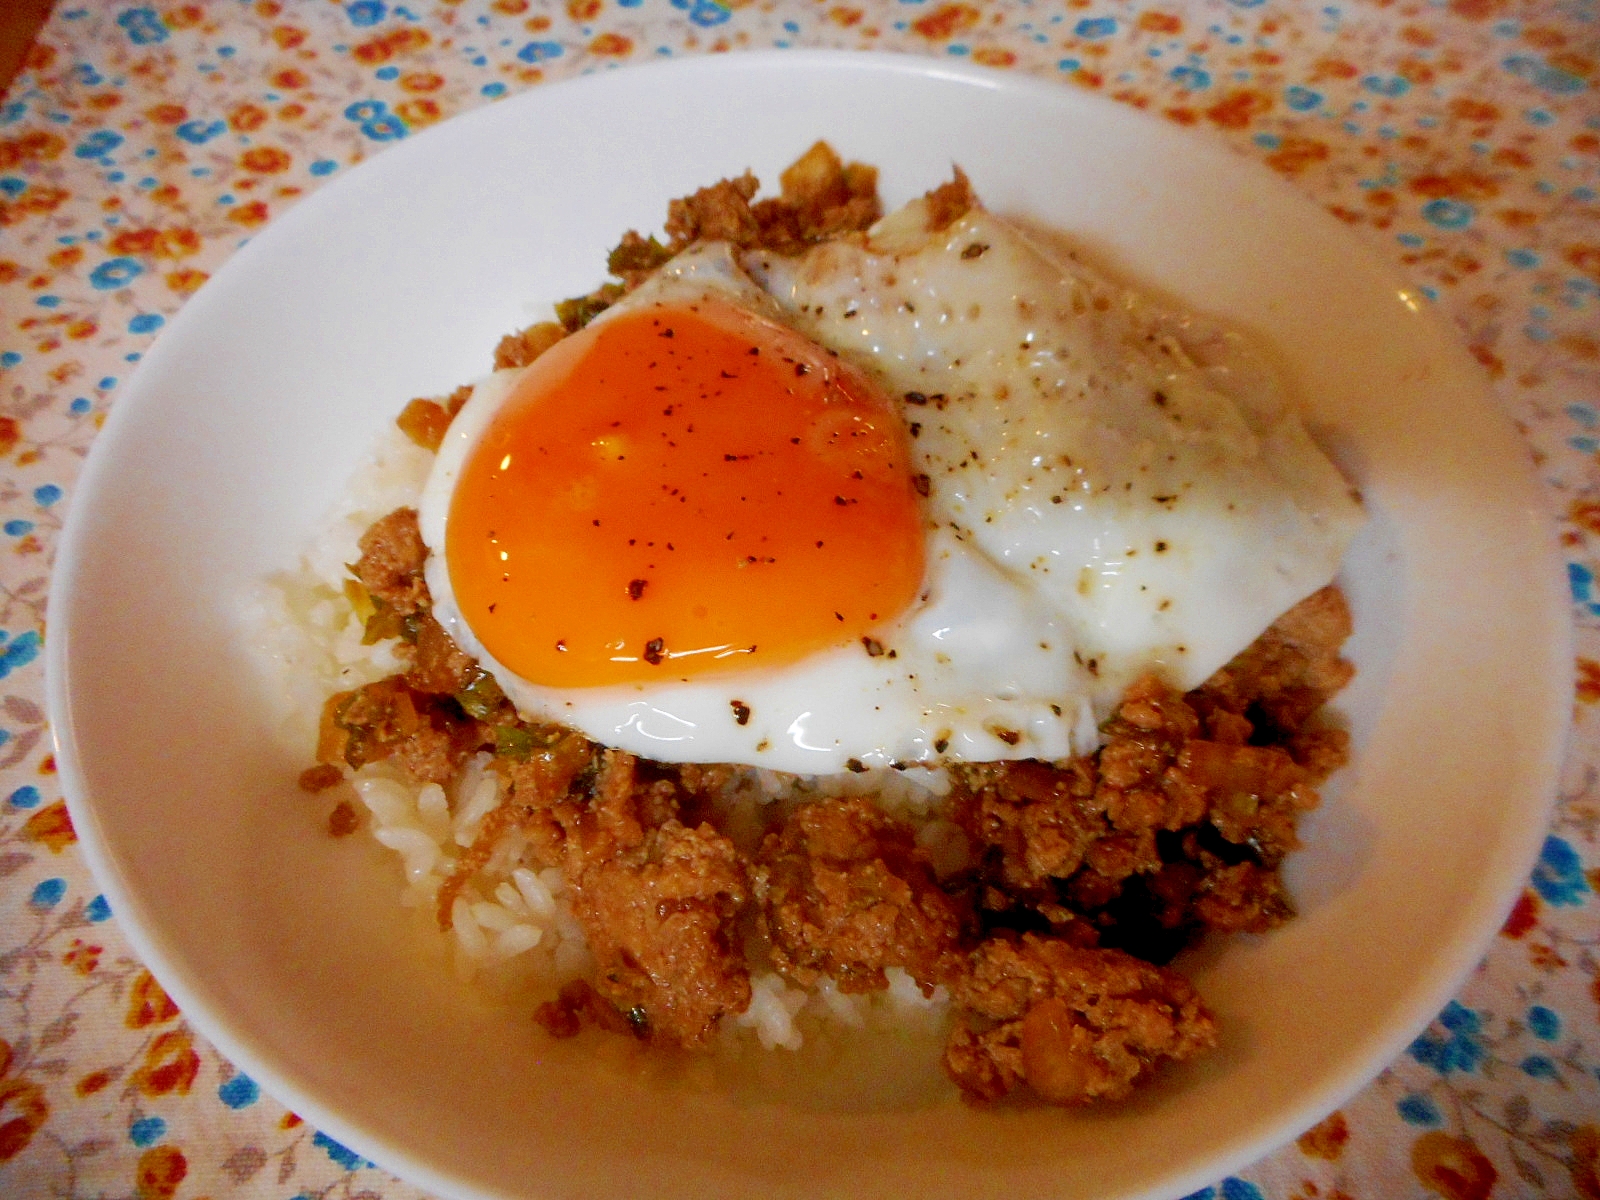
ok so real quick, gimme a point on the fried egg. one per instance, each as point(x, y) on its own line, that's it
point(914, 498)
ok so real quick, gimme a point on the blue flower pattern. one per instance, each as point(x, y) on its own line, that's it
point(143, 26)
point(1455, 1046)
point(1559, 876)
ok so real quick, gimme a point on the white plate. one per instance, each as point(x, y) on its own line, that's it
point(247, 417)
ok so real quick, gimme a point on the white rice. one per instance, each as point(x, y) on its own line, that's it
point(513, 921)
point(302, 628)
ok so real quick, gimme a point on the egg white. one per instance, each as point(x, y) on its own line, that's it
point(1138, 471)
point(1078, 532)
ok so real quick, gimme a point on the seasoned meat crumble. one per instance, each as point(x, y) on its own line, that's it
point(658, 901)
point(1085, 876)
point(845, 892)
point(1081, 879)
point(1075, 1023)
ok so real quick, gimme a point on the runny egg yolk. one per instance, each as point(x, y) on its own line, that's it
point(680, 490)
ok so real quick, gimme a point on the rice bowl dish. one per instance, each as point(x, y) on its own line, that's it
point(308, 990)
point(805, 707)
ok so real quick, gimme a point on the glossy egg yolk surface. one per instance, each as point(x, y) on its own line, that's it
point(679, 490)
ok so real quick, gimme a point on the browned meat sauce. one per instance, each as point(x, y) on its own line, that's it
point(845, 893)
point(821, 198)
point(1075, 1023)
point(657, 900)
point(390, 566)
point(1085, 877)
point(1180, 822)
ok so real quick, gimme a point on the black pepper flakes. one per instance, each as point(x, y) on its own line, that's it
point(636, 588)
point(655, 651)
point(741, 712)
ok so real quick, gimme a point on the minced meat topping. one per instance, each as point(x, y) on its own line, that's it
point(844, 892)
point(1084, 878)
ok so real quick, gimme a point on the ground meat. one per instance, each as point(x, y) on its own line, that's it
point(846, 893)
point(521, 348)
point(719, 213)
point(825, 196)
point(658, 902)
point(660, 921)
point(1075, 1024)
point(1037, 820)
point(425, 421)
point(320, 777)
point(542, 774)
point(1241, 898)
point(539, 782)
point(344, 820)
point(1290, 671)
point(438, 665)
point(428, 735)
point(821, 198)
point(390, 566)
point(1253, 795)
point(949, 202)
point(1180, 822)
point(1091, 821)
point(1048, 820)
point(706, 779)
point(577, 1005)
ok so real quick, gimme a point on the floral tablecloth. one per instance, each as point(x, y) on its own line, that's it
point(141, 145)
